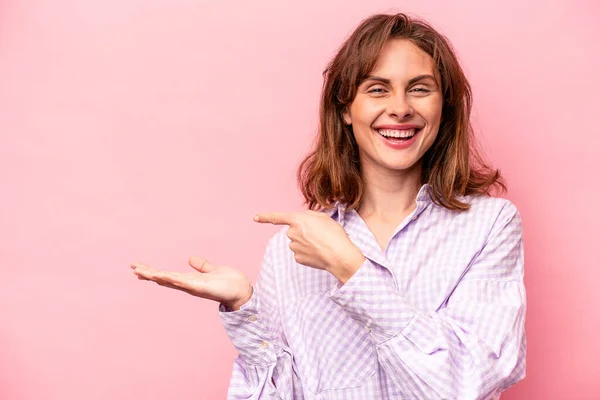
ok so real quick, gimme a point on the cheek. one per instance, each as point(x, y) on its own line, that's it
point(363, 112)
point(433, 113)
point(434, 119)
point(361, 122)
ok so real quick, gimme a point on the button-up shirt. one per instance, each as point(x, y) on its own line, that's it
point(439, 314)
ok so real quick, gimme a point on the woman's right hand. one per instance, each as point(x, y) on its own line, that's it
point(223, 284)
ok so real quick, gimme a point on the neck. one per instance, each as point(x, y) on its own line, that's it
point(389, 195)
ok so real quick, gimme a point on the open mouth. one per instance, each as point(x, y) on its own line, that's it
point(396, 135)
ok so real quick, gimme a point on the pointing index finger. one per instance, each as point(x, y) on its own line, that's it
point(275, 218)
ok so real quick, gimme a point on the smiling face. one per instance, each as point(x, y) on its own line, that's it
point(396, 113)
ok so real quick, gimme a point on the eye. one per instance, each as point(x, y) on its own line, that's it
point(376, 90)
point(420, 89)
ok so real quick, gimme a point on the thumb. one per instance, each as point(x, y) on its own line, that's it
point(200, 264)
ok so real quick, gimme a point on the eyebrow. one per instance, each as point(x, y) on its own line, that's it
point(410, 82)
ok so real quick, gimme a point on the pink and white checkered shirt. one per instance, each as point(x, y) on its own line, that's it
point(439, 315)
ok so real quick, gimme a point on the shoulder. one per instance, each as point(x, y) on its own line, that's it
point(485, 215)
point(491, 212)
point(490, 205)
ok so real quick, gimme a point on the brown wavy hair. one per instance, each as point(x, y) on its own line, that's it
point(453, 166)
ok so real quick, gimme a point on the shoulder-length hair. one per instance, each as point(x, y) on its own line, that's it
point(453, 166)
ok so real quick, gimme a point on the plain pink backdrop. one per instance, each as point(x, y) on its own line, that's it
point(153, 130)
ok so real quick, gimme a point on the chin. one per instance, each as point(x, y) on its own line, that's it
point(399, 166)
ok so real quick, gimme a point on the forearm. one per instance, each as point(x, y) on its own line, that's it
point(264, 367)
point(468, 350)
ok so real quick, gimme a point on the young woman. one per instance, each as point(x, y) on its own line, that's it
point(404, 279)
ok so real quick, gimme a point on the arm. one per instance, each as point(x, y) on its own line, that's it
point(264, 367)
point(470, 349)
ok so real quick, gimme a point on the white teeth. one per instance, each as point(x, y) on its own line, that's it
point(407, 133)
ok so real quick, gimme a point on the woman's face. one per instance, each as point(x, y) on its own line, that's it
point(397, 110)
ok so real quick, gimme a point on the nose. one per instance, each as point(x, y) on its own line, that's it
point(399, 106)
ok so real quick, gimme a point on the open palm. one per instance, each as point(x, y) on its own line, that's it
point(219, 283)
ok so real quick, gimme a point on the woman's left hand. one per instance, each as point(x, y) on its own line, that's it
point(318, 242)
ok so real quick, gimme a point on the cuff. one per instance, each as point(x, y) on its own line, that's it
point(371, 298)
point(251, 333)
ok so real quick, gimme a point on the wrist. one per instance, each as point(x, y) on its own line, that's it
point(347, 267)
point(239, 302)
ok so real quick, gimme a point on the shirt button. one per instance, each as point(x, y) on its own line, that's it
point(252, 318)
point(367, 329)
point(264, 344)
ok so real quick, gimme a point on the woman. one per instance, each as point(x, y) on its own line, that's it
point(404, 279)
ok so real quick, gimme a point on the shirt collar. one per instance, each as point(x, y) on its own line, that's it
point(423, 199)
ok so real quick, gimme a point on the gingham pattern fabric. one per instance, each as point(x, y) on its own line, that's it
point(439, 315)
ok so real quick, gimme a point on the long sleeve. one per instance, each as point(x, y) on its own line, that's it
point(473, 346)
point(264, 367)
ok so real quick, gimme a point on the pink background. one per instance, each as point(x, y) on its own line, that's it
point(153, 130)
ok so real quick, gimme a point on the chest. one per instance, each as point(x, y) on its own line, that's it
point(382, 234)
point(332, 350)
point(383, 231)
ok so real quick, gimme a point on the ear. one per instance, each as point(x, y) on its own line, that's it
point(346, 116)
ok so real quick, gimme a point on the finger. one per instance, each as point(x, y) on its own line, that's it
point(275, 218)
point(200, 264)
point(155, 275)
point(143, 271)
point(174, 278)
point(294, 247)
point(169, 285)
point(193, 284)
